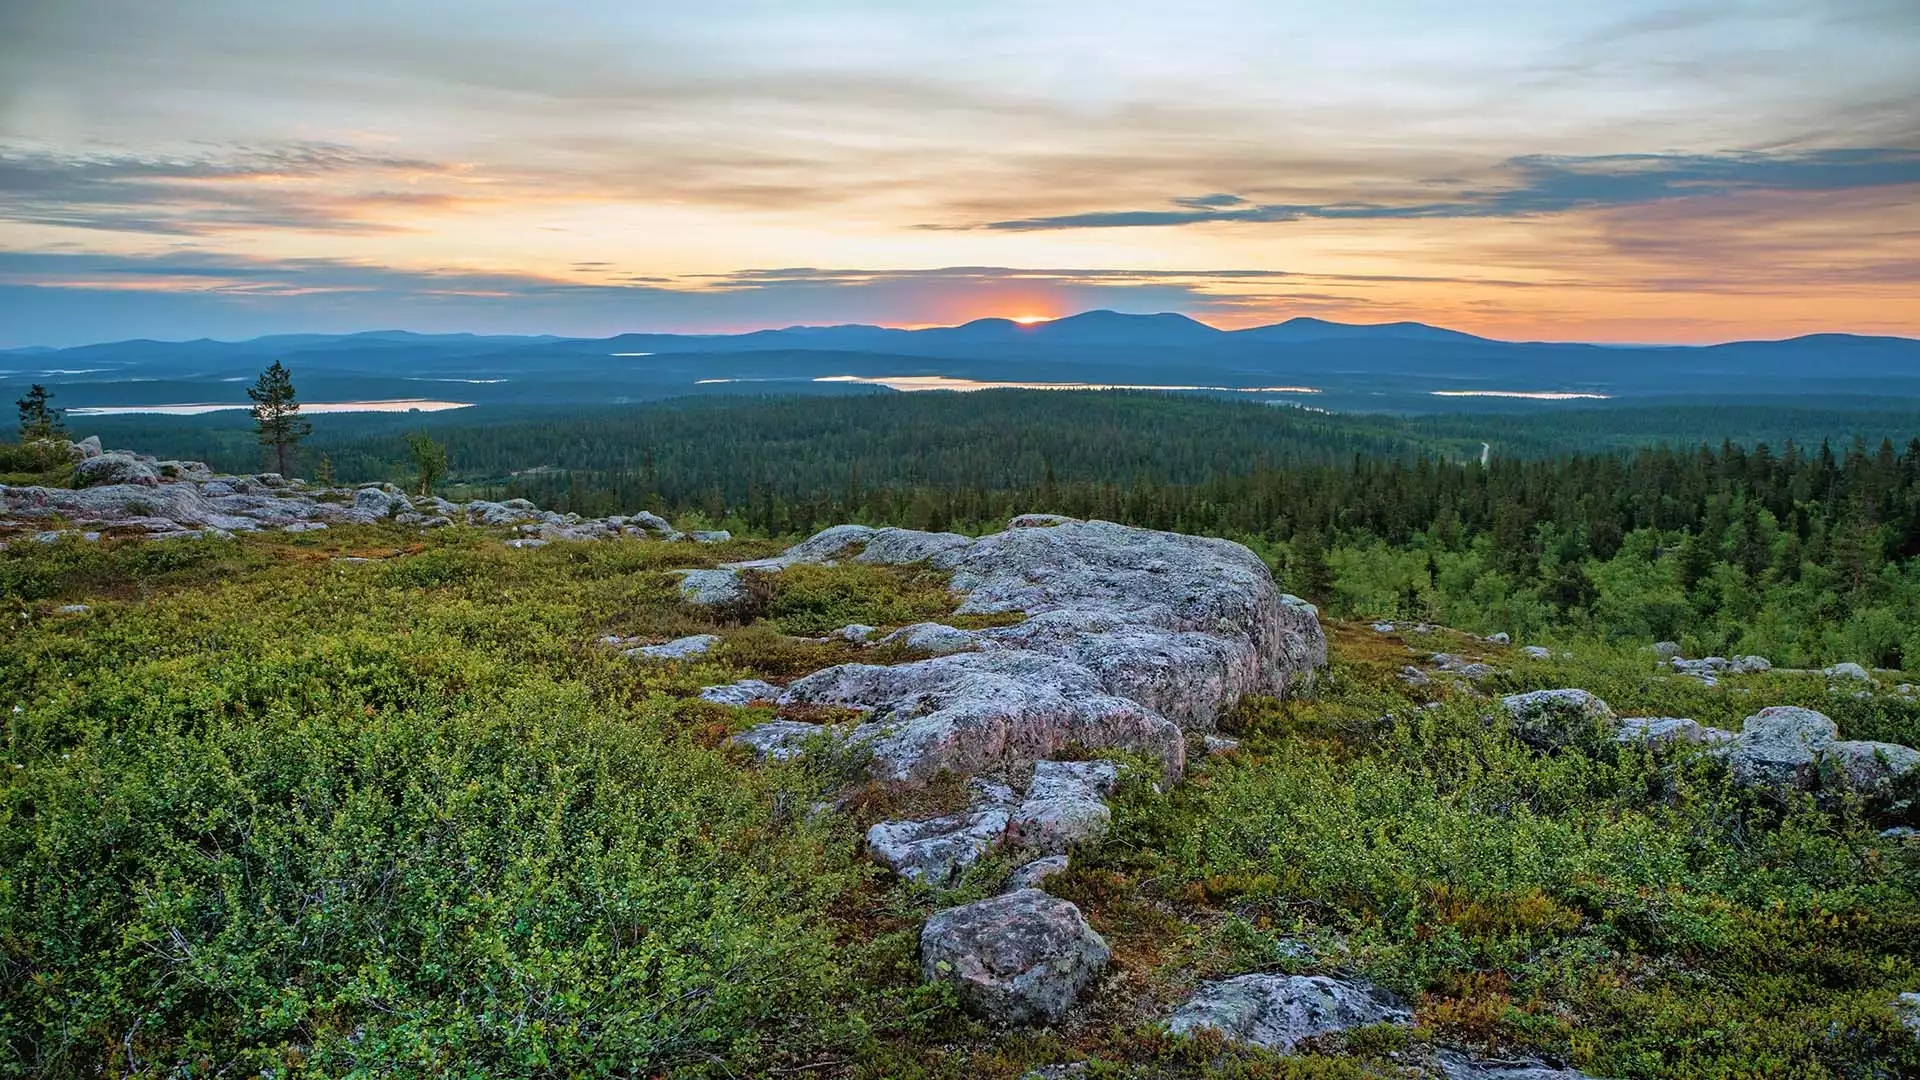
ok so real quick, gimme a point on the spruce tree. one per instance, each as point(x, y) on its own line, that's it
point(429, 460)
point(276, 413)
point(37, 419)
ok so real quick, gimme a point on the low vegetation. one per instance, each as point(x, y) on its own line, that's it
point(372, 801)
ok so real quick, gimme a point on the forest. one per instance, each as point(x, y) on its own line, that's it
point(1793, 533)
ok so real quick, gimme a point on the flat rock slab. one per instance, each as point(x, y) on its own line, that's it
point(678, 648)
point(744, 692)
point(1458, 1066)
point(1277, 1011)
point(1065, 805)
point(1019, 958)
point(938, 851)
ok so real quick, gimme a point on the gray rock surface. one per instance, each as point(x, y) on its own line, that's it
point(1019, 958)
point(1065, 805)
point(936, 639)
point(1277, 1011)
point(744, 692)
point(1032, 874)
point(971, 711)
point(938, 851)
point(1501, 638)
point(710, 536)
point(1537, 652)
point(1669, 731)
point(1780, 748)
point(857, 633)
point(1039, 521)
point(106, 469)
point(678, 648)
point(781, 740)
point(1458, 1066)
point(1667, 650)
point(1545, 719)
point(1848, 671)
point(713, 588)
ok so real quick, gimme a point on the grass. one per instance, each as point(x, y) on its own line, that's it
point(265, 810)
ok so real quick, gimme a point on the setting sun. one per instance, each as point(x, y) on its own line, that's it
point(1029, 320)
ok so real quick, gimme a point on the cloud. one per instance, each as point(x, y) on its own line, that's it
point(296, 186)
point(1543, 184)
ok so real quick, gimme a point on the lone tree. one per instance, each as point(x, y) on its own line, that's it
point(429, 460)
point(276, 415)
point(37, 420)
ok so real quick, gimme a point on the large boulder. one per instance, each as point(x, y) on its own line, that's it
point(1019, 958)
point(1277, 1011)
point(1545, 719)
point(1780, 748)
point(1871, 768)
point(108, 469)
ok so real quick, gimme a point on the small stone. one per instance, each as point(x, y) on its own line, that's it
point(1848, 671)
point(710, 536)
point(1219, 744)
point(1536, 652)
point(1501, 638)
point(857, 633)
point(72, 609)
point(1545, 719)
point(1383, 628)
point(1031, 875)
point(778, 740)
point(527, 542)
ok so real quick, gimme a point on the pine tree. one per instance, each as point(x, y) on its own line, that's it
point(429, 460)
point(276, 413)
point(37, 420)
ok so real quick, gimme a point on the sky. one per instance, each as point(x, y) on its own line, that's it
point(1627, 171)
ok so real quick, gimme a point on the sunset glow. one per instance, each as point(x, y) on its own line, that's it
point(1655, 170)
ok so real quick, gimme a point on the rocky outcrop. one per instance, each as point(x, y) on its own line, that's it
point(1278, 1011)
point(713, 588)
point(934, 639)
point(105, 469)
point(1032, 874)
point(1019, 958)
point(1130, 636)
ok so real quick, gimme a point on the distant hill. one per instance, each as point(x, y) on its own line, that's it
point(1388, 367)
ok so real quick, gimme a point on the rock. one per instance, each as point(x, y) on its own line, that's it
point(1900, 832)
point(1383, 628)
point(1907, 1007)
point(1751, 665)
point(1475, 672)
point(1871, 768)
point(1669, 731)
point(857, 633)
point(1500, 639)
point(1536, 652)
point(89, 447)
point(1072, 1071)
point(527, 542)
point(1277, 1011)
point(710, 536)
point(1457, 1066)
point(938, 851)
point(1040, 521)
point(779, 740)
point(652, 522)
point(971, 711)
point(678, 648)
point(822, 547)
point(936, 639)
point(713, 588)
point(1413, 676)
point(1848, 671)
point(1019, 958)
point(1031, 875)
point(1780, 748)
point(744, 692)
point(1219, 744)
point(1667, 650)
point(1065, 805)
point(1546, 719)
point(111, 469)
point(899, 547)
point(72, 609)
point(380, 503)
